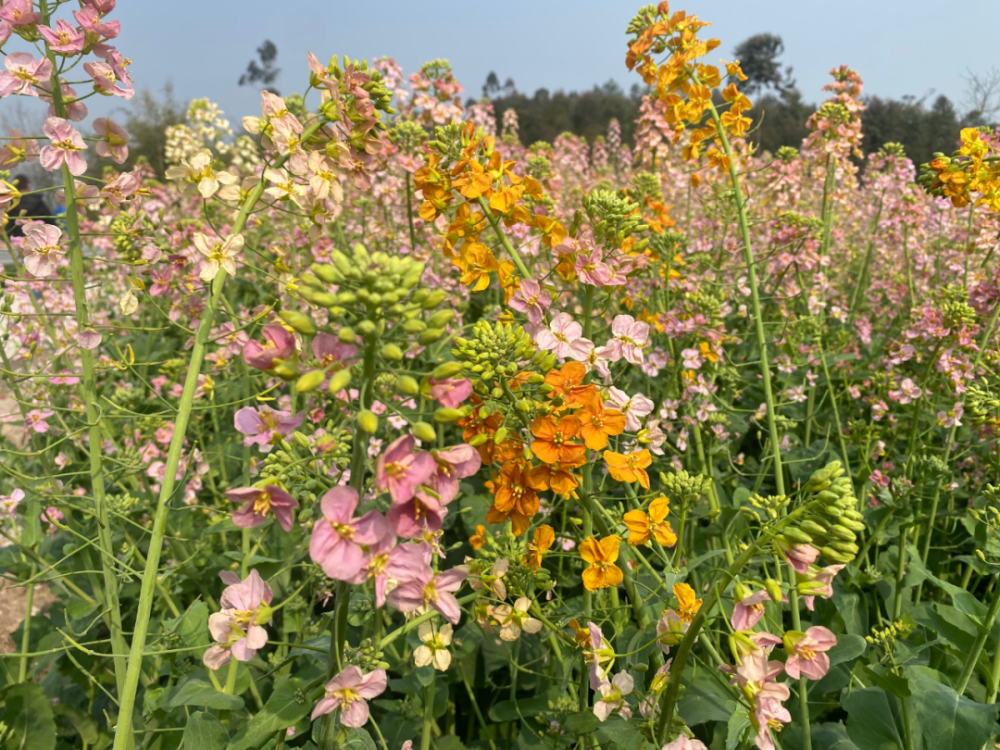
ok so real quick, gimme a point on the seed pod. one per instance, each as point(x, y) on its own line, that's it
point(816, 528)
point(407, 385)
point(339, 381)
point(842, 533)
point(310, 381)
point(446, 370)
point(445, 414)
point(324, 299)
point(310, 280)
point(846, 547)
point(796, 536)
point(850, 523)
point(838, 557)
point(423, 431)
point(367, 421)
point(301, 323)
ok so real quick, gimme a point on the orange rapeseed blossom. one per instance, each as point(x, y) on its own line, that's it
point(567, 382)
point(599, 423)
point(554, 440)
point(478, 539)
point(629, 468)
point(541, 542)
point(687, 603)
point(476, 262)
point(580, 635)
point(513, 497)
point(602, 573)
point(642, 526)
point(557, 476)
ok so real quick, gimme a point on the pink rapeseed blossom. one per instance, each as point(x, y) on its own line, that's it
point(807, 652)
point(279, 345)
point(259, 503)
point(400, 470)
point(65, 147)
point(238, 628)
point(350, 691)
point(337, 537)
point(265, 426)
point(436, 591)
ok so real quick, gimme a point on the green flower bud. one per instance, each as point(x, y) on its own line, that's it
point(500, 435)
point(446, 370)
point(434, 299)
point(843, 534)
point(441, 318)
point(339, 381)
point(414, 326)
point(444, 414)
point(479, 439)
point(423, 431)
point(430, 336)
point(286, 371)
point(301, 439)
point(796, 536)
point(407, 385)
point(347, 335)
point(311, 380)
point(392, 353)
point(299, 322)
point(773, 590)
point(327, 273)
point(367, 421)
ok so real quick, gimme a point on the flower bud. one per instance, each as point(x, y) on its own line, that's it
point(347, 335)
point(366, 328)
point(796, 536)
point(773, 590)
point(479, 439)
point(301, 439)
point(327, 273)
point(445, 414)
point(407, 385)
point(434, 299)
point(301, 323)
point(310, 381)
point(392, 353)
point(339, 381)
point(415, 326)
point(441, 318)
point(367, 421)
point(430, 336)
point(741, 591)
point(446, 370)
point(500, 435)
point(425, 432)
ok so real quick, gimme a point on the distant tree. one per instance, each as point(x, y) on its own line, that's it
point(492, 86)
point(780, 120)
point(265, 73)
point(146, 121)
point(758, 58)
point(982, 96)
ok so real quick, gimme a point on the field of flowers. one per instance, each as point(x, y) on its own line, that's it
point(371, 428)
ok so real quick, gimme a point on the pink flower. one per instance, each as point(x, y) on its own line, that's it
point(434, 591)
point(105, 80)
point(43, 242)
point(331, 351)
point(807, 652)
point(36, 420)
point(238, 628)
point(19, 13)
point(451, 393)
point(349, 691)
point(749, 611)
point(76, 110)
point(337, 537)
point(818, 583)
point(388, 562)
point(114, 139)
point(279, 346)
point(259, 503)
point(685, 743)
point(51, 516)
point(94, 26)
point(457, 462)
point(219, 254)
point(612, 698)
point(421, 513)
point(400, 470)
point(65, 38)
point(66, 147)
point(18, 149)
point(9, 503)
point(23, 72)
point(265, 426)
point(101, 6)
point(633, 408)
point(531, 299)
point(564, 336)
point(630, 337)
point(592, 269)
point(800, 556)
point(601, 657)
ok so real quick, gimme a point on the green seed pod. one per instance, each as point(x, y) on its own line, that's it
point(324, 299)
point(441, 318)
point(444, 414)
point(842, 533)
point(310, 280)
point(850, 523)
point(299, 322)
point(797, 536)
point(347, 335)
point(339, 381)
point(836, 556)
point(446, 370)
point(430, 336)
point(407, 385)
point(367, 421)
point(423, 431)
point(392, 353)
point(310, 381)
point(812, 527)
point(846, 547)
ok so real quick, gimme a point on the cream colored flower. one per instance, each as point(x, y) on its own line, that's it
point(434, 648)
point(513, 620)
point(219, 254)
point(197, 173)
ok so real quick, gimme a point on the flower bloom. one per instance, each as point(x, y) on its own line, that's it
point(807, 652)
point(337, 537)
point(238, 629)
point(612, 698)
point(633, 408)
point(630, 338)
point(43, 242)
point(541, 542)
point(259, 503)
point(629, 468)
point(65, 38)
point(564, 336)
point(687, 603)
point(513, 620)
point(642, 526)
point(264, 426)
point(65, 147)
point(599, 422)
point(748, 611)
point(400, 470)
point(514, 497)
point(685, 743)
point(349, 691)
point(433, 648)
point(532, 300)
point(17, 149)
point(451, 393)
point(218, 254)
point(436, 591)
point(602, 573)
point(554, 440)
point(601, 656)
point(114, 139)
point(279, 345)
point(35, 420)
point(9, 503)
point(23, 73)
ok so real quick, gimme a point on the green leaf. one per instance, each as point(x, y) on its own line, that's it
point(192, 625)
point(204, 732)
point(622, 733)
point(526, 707)
point(28, 716)
point(357, 739)
point(200, 693)
point(966, 603)
point(950, 721)
point(83, 723)
point(891, 682)
point(735, 728)
point(871, 722)
point(848, 647)
point(283, 709)
point(580, 723)
point(706, 700)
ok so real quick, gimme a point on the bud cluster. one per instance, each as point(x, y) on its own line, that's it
point(834, 525)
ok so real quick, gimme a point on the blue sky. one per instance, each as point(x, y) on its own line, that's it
point(899, 46)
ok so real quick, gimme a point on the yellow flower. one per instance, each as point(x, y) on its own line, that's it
point(602, 573)
point(643, 527)
point(687, 603)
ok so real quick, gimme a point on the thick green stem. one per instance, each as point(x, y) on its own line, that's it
point(504, 240)
point(29, 600)
point(977, 647)
point(425, 734)
point(409, 212)
point(862, 285)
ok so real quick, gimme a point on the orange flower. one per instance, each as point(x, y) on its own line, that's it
point(540, 544)
point(556, 477)
point(602, 573)
point(688, 605)
point(555, 440)
point(580, 635)
point(476, 262)
point(513, 498)
point(643, 527)
point(478, 539)
point(708, 352)
point(599, 423)
point(629, 468)
point(567, 382)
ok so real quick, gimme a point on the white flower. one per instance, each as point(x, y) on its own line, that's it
point(219, 254)
point(513, 620)
point(434, 648)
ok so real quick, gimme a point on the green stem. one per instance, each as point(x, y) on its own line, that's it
point(862, 285)
point(504, 240)
point(409, 213)
point(425, 735)
point(29, 598)
point(977, 647)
